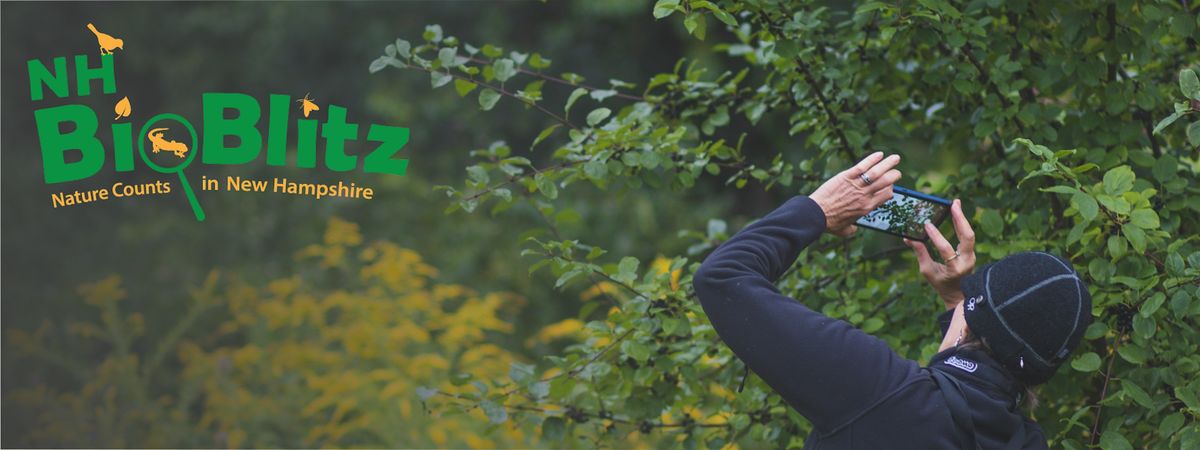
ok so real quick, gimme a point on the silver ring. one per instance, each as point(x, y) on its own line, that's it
point(865, 178)
point(952, 257)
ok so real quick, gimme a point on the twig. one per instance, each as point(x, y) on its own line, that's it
point(1103, 393)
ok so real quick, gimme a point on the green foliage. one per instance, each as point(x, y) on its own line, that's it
point(997, 83)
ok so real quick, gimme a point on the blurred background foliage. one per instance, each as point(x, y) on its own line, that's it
point(562, 313)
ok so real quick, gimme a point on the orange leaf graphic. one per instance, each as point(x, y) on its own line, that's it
point(122, 109)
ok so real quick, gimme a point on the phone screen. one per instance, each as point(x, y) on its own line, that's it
point(905, 214)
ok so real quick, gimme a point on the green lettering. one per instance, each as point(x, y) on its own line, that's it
point(41, 78)
point(84, 75)
point(55, 144)
point(336, 132)
point(217, 127)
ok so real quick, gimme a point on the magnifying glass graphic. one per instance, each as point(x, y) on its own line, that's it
point(161, 143)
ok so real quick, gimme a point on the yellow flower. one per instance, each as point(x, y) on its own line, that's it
point(572, 328)
point(663, 265)
point(103, 292)
point(603, 287)
point(342, 232)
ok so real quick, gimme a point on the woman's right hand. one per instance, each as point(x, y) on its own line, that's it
point(856, 191)
point(957, 263)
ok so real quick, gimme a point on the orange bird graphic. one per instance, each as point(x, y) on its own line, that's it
point(107, 43)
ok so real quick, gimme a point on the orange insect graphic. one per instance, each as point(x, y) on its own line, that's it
point(107, 43)
point(307, 105)
point(160, 143)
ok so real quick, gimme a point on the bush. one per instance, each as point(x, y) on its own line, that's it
point(996, 89)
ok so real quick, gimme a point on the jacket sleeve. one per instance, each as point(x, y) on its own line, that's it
point(828, 370)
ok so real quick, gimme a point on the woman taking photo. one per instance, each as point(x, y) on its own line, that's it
point(1008, 326)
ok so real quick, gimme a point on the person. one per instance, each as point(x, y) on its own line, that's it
point(1007, 327)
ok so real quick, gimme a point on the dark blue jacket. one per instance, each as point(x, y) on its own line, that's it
point(857, 392)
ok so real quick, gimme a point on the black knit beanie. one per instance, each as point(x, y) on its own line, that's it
point(1031, 310)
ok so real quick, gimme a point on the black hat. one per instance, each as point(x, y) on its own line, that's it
point(1031, 310)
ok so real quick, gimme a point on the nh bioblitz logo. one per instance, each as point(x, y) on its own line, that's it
point(168, 143)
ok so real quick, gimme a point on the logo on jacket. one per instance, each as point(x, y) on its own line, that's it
point(963, 364)
point(972, 301)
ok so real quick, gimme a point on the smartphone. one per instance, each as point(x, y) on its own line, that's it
point(905, 214)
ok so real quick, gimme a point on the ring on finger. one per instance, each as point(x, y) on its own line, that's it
point(952, 257)
point(865, 179)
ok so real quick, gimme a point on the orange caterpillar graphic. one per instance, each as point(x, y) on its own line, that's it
point(161, 143)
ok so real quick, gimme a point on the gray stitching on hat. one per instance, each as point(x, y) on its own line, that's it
point(1018, 338)
point(1078, 309)
point(987, 289)
point(1059, 261)
point(1035, 287)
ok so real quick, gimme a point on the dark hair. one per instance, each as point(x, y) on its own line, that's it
point(1028, 396)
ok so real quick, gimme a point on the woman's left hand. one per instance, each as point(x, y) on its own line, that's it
point(957, 263)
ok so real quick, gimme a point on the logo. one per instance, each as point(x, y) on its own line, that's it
point(236, 129)
point(971, 302)
point(963, 364)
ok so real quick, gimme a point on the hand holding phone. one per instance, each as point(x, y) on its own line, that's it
point(956, 262)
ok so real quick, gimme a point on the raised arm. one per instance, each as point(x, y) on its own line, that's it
point(825, 368)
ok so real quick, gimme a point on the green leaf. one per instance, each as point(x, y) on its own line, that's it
point(439, 79)
point(378, 64)
point(872, 325)
point(1118, 180)
point(664, 8)
point(695, 24)
point(447, 56)
point(636, 350)
point(477, 174)
point(578, 92)
point(494, 411)
point(553, 429)
point(1144, 218)
point(597, 115)
point(1137, 237)
point(1133, 353)
point(403, 48)
point(433, 33)
point(1152, 304)
point(1170, 425)
point(488, 99)
point(1114, 204)
point(1181, 302)
point(538, 62)
point(716, 227)
point(1114, 440)
point(601, 94)
point(464, 87)
point(1086, 205)
point(1137, 393)
point(425, 392)
point(1061, 190)
point(1189, 84)
point(1193, 133)
point(544, 134)
point(595, 169)
point(627, 269)
point(503, 69)
point(546, 186)
point(1167, 121)
point(991, 222)
point(1144, 327)
point(1087, 362)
